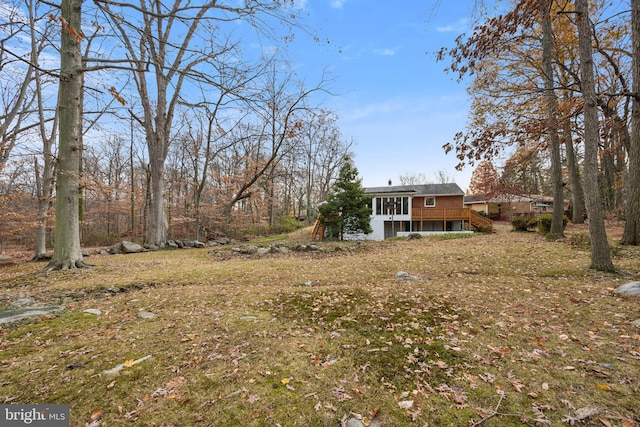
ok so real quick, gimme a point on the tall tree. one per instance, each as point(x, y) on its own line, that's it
point(552, 129)
point(45, 173)
point(67, 253)
point(484, 179)
point(348, 208)
point(600, 253)
point(171, 46)
point(631, 234)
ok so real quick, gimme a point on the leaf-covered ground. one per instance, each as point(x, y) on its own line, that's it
point(504, 329)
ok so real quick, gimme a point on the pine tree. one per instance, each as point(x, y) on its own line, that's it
point(348, 208)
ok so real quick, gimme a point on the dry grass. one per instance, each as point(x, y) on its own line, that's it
point(500, 330)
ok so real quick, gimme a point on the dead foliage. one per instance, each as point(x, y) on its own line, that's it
point(504, 329)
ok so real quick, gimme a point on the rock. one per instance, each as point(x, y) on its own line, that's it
point(223, 241)
point(6, 260)
point(130, 247)
point(631, 288)
point(406, 277)
point(198, 244)
point(636, 323)
point(147, 315)
point(263, 251)
point(278, 249)
point(171, 244)
point(92, 311)
point(8, 316)
point(187, 243)
point(104, 252)
point(22, 302)
point(354, 422)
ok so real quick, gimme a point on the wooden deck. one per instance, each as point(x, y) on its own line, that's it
point(473, 220)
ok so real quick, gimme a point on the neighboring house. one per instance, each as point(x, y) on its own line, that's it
point(426, 209)
point(508, 206)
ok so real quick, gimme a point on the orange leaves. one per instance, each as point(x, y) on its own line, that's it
point(77, 34)
point(114, 92)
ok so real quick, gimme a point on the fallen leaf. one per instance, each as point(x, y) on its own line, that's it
point(581, 414)
point(459, 397)
point(129, 363)
point(405, 404)
point(605, 422)
point(97, 415)
point(175, 383)
point(516, 383)
point(604, 387)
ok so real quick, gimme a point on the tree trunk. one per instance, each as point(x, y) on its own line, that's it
point(575, 183)
point(557, 221)
point(631, 235)
point(157, 230)
point(66, 250)
point(44, 189)
point(600, 253)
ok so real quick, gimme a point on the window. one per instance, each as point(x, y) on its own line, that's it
point(392, 205)
point(429, 202)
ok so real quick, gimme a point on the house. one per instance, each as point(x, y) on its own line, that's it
point(507, 206)
point(425, 209)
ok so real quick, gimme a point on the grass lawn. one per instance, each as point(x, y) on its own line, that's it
point(505, 329)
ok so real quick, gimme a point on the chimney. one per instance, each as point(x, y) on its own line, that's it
point(389, 182)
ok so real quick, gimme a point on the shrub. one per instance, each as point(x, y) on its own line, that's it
point(544, 223)
point(523, 223)
point(287, 224)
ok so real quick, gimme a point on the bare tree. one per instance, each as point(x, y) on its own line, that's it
point(16, 82)
point(631, 234)
point(67, 253)
point(600, 253)
point(277, 107)
point(551, 104)
point(169, 47)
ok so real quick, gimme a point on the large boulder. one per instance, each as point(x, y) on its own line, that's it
point(13, 315)
point(130, 247)
point(631, 288)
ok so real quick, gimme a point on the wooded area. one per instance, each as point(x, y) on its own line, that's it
point(168, 127)
point(549, 75)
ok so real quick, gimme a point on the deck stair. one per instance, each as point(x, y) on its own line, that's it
point(479, 222)
point(317, 234)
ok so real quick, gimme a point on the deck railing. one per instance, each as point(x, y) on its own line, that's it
point(451, 214)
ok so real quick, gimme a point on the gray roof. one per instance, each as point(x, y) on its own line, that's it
point(476, 198)
point(451, 189)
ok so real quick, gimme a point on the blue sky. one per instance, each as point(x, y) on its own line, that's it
point(395, 100)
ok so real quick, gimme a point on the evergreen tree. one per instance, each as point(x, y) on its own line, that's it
point(348, 208)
